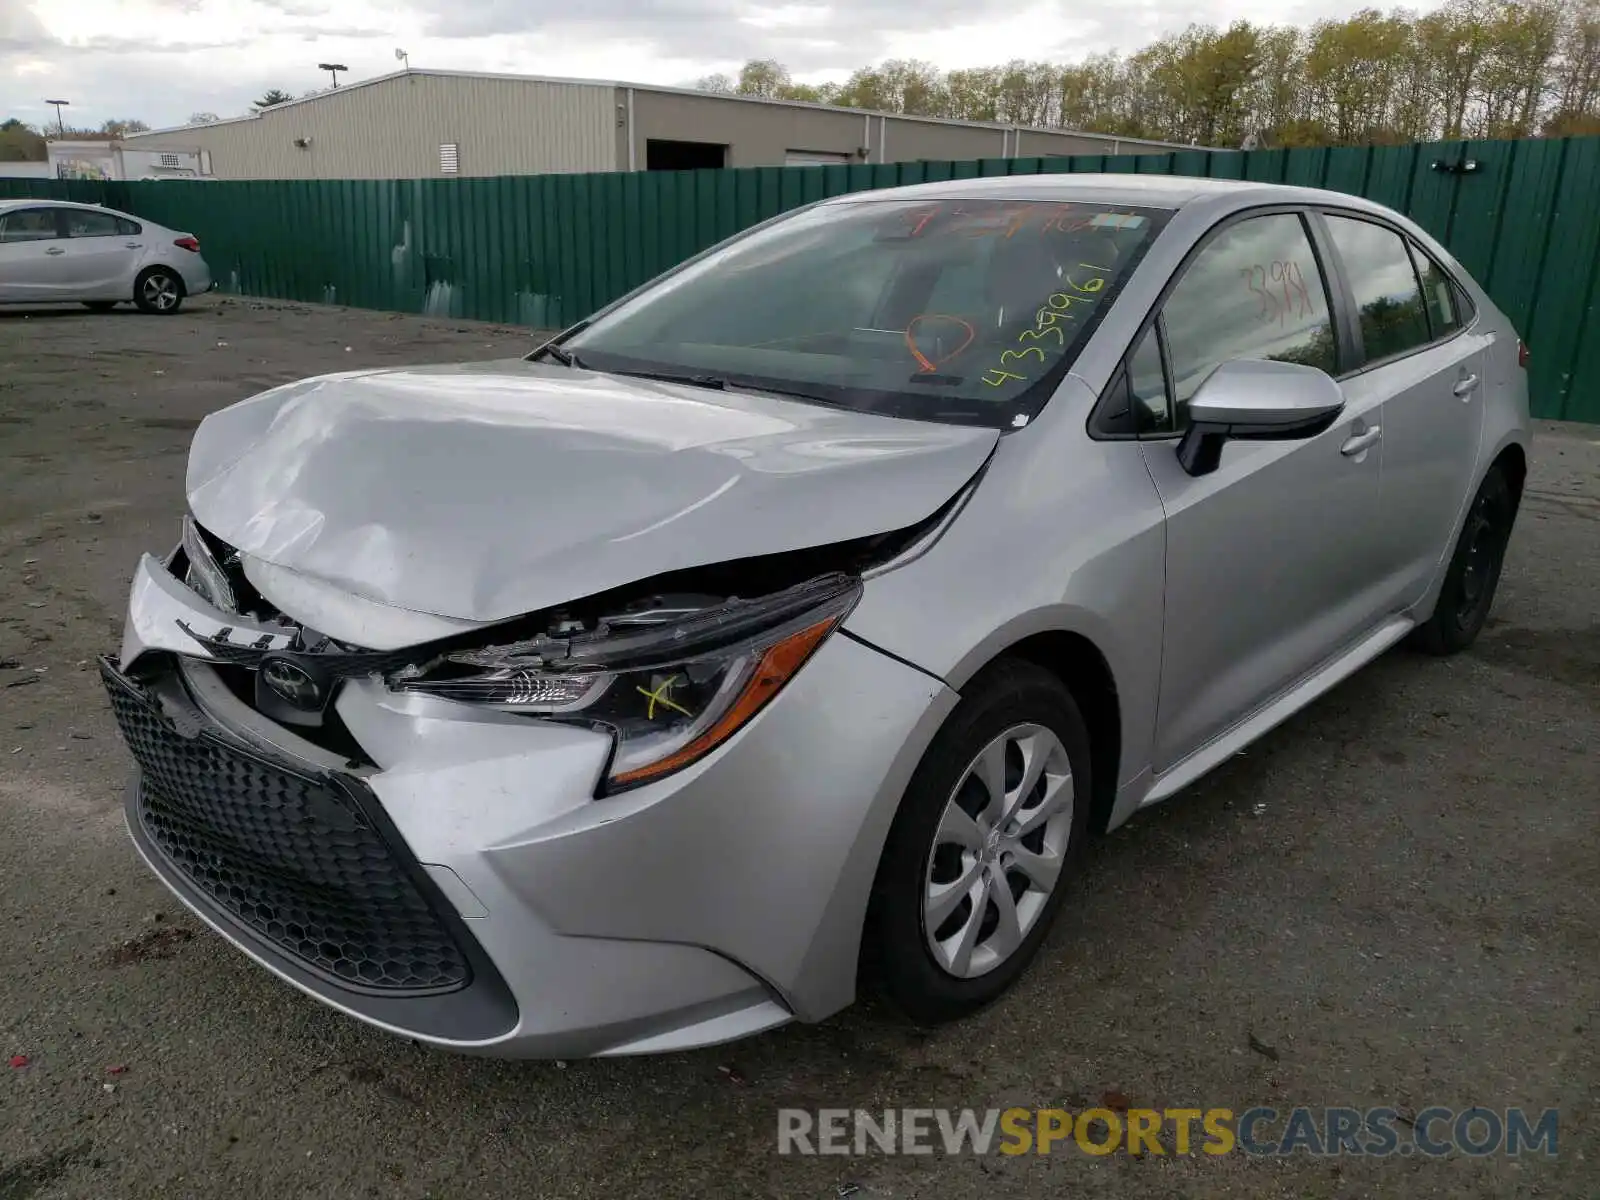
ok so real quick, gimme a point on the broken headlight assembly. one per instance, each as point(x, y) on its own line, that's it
point(671, 678)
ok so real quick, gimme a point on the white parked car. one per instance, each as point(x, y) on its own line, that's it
point(56, 253)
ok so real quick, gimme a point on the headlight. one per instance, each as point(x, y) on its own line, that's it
point(669, 690)
point(206, 575)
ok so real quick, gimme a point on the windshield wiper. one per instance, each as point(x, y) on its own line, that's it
point(715, 382)
point(564, 357)
point(721, 383)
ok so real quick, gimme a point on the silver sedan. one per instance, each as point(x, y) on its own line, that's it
point(791, 624)
point(53, 253)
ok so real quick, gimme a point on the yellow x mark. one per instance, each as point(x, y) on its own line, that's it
point(659, 696)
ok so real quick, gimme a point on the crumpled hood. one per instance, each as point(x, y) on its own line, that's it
point(485, 491)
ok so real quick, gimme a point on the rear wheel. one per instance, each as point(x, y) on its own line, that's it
point(1474, 572)
point(158, 290)
point(980, 854)
point(99, 305)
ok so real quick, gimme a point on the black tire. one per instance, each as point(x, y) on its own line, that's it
point(895, 951)
point(100, 305)
point(158, 290)
point(1474, 571)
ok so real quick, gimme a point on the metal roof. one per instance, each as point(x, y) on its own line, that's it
point(673, 91)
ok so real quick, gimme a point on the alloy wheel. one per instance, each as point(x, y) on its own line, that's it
point(998, 851)
point(161, 291)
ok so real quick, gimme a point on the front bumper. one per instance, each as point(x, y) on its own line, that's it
point(299, 866)
point(721, 901)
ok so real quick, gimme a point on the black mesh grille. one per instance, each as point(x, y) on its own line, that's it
point(290, 856)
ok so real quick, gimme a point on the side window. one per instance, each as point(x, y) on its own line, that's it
point(1147, 388)
point(28, 225)
point(1255, 291)
point(127, 228)
point(1438, 293)
point(1383, 283)
point(81, 222)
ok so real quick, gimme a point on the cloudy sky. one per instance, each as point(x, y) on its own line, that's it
point(161, 60)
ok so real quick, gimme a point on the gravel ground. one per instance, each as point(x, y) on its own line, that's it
point(1394, 894)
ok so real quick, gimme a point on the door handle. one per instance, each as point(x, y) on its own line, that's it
point(55, 250)
point(133, 245)
point(1361, 441)
point(1464, 387)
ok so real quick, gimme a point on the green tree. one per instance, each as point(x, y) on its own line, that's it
point(1472, 68)
point(1222, 72)
point(973, 95)
point(764, 78)
point(1523, 38)
point(119, 127)
point(898, 85)
point(1273, 99)
point(1353, 73)
point(1096, 96)
point(821, 93)
point(21, 143)
point(1453, 44)
point(1030, 93)
point(1575, 83)
point(270, 97)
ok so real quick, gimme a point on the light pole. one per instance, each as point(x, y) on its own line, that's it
point(403, 57)
point(333, 69)
point(61, 126)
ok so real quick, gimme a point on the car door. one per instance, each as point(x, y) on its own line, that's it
point(1427, 372)
point(1268, 558)
point(33, 253)
point(102, 251)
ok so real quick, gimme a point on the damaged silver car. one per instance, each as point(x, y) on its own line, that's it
point(792, 622)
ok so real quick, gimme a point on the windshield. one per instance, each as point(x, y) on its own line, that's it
point(961, 310)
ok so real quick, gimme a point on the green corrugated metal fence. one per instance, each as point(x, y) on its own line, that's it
point(547, 250)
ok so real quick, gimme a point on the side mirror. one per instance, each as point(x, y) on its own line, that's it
point(1256, 400)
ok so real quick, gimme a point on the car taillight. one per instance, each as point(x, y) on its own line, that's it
point(1522, 354)
point(188, 243)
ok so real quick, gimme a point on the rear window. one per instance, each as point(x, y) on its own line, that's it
point(83, 223)
point(1377, 262)
point(958, 310)
point(1439, 294)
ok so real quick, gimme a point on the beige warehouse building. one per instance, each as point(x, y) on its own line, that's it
point(417, 123)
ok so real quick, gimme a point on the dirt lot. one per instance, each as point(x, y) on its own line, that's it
point(1392, 900)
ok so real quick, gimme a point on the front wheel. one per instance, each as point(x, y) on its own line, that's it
point(159, 290)
point(980, 854)
point(1474, 571)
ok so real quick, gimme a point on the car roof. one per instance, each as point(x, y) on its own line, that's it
point(50, 202)
point(1149, 191)
point(36, 201)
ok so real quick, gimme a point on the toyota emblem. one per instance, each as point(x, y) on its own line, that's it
point(292, 682)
